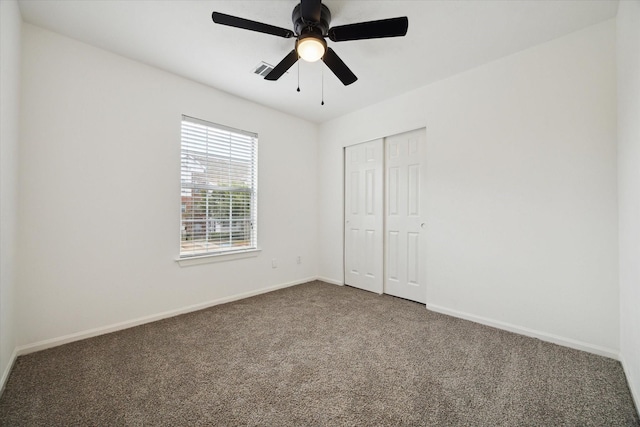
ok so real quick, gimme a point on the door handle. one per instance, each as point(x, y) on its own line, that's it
point(422, 225)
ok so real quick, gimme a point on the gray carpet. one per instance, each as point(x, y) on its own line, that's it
point(315, 355)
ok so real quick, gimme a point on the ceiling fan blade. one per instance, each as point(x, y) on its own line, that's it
point(246, 24)
point(283, 66)
point(310, 10)
point(393, 27)
point(338, 67)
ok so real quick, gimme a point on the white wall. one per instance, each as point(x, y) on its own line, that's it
point(100, 192)
point(628, 61)
point(10, 28)
point(521, 194)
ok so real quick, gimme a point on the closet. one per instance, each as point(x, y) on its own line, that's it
point(385, 224)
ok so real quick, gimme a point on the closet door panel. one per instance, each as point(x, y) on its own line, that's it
point(405, 269)
point(364, 216)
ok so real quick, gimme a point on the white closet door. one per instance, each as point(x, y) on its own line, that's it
point(405, 233)
point(363, 237)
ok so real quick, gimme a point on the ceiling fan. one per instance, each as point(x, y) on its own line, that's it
point(311, 21)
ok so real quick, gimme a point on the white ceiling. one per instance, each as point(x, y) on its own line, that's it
point(444, 38)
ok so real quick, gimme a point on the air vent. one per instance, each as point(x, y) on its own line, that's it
point(262, 69)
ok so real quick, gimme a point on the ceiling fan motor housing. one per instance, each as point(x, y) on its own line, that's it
point(319, 28)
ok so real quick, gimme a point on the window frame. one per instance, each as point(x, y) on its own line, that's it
point(217, 164)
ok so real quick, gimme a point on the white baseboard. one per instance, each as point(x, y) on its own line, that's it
point(331, 281)
point(7, 371)
point(89, 333)
point(635, 394)
point(544, 336)
point(54, 342)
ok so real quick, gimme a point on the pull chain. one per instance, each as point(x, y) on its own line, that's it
point(322, 103)
point(298, 75)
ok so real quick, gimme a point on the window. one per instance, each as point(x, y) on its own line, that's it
point(218, 189)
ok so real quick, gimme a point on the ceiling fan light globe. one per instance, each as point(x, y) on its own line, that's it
point(311, 49)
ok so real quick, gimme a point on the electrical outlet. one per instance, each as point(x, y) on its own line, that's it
point(299, 259)
point(274, 263)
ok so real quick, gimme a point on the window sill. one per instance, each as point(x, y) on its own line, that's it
point(211, 258)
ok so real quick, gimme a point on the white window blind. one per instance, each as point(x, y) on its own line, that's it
point(218, 189)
